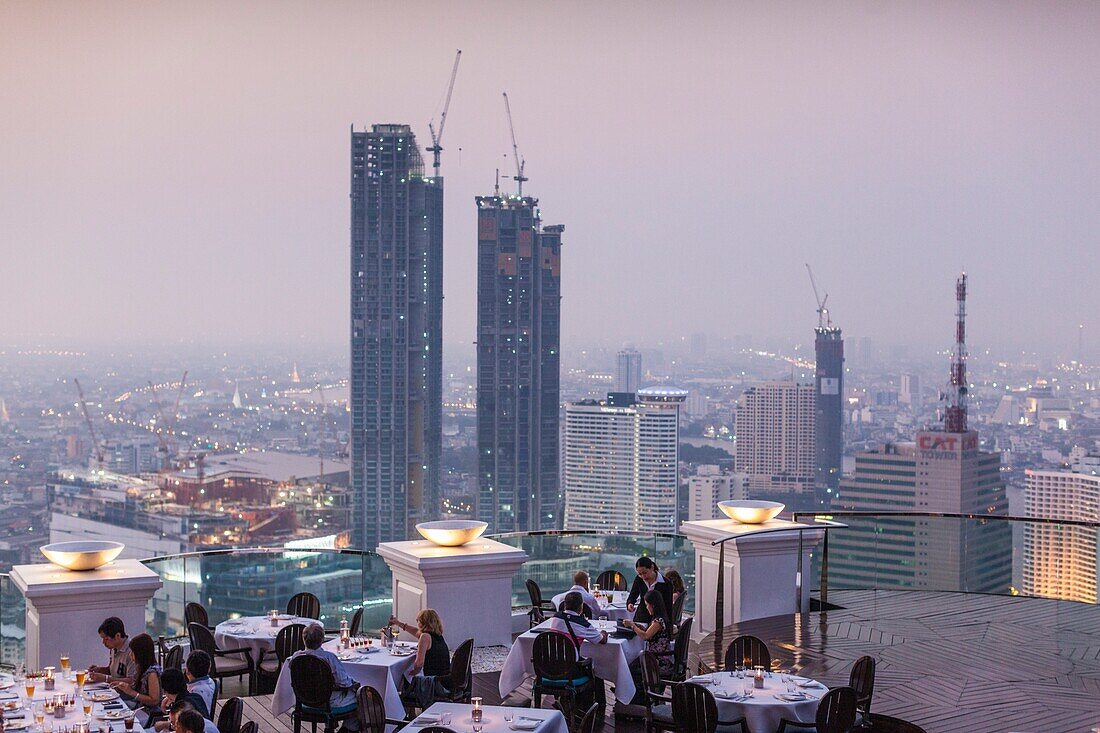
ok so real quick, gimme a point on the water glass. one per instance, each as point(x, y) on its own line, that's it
point(507, 716)
point(445, 718)
point(747, 688)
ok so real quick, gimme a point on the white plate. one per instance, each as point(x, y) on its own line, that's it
point(112, 715)
point(103, 695)
point(16, 724)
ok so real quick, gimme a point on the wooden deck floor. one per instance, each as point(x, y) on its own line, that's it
point(949, 662)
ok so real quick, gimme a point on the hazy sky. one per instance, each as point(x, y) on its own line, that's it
point(181, 169)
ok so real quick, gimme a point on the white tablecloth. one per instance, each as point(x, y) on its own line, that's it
point(610, 661)
point(72, 717)
point(763, 710)
point(378, 669)
point(614, 609)
point(254, 632)
point(492, 718)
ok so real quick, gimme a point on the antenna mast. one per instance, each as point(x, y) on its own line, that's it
point(437, 137)
point(955, 419)
point(520, 162)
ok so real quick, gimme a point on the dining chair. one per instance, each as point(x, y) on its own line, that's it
point(312, 682)
point(555, 657)
point(356, 622)
point(288, 641)
point(231, 665)
point(174, 658)
point(250, 727)
point(748, 651)
point(460, 679)
point(836, 713)
point(304, 605)
point(539, 607)
point(437, 729)
point(592, 722)
point(611, 580)
point(585, 610)
point(229, 720)
point(694, 708)
point(680, 648)
point(677, 614)
point(862, 680)
point(886, 724)
point(195, 613)
point(658, 704)
point(371, 711)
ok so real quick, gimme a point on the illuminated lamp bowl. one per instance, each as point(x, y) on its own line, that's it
point(82, 555)
point(451, 532)
point(751, 512)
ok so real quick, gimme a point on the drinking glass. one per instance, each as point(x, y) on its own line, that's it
point(603, 617)
point(128, 721)
point(445, 718)
point(507, 716)
point(65, 666)
point(29, 684)
point(87, 705)
point(747, 688)
point(39, 714)
point(476, 727)
point(81, 674)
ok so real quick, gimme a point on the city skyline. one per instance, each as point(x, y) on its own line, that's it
point(897, 185)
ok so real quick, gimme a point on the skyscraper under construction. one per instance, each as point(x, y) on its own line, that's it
point(396, 335)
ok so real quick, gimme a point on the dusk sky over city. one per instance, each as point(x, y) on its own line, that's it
point(180, 170)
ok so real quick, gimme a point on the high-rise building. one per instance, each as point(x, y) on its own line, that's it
point(518, 362)
point(1059, 559)
point(620, 463)
point(910, 390)
point(829, 411)
point(709, 486)
point(776, 437)
point(396, 335)
point(628, 371)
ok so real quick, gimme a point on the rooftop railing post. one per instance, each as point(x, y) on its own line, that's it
point(824, 600)
point(798, 577)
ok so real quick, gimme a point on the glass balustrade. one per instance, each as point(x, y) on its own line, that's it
point(13, 620)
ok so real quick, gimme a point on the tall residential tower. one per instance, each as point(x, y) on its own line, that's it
point(829, 411)
point(518, 357)
point(628, 371)
point(396, 335)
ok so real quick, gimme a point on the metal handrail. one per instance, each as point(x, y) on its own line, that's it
point(949, 515)
point(260, 551)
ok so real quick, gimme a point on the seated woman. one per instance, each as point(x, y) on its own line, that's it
point(676, 582)
point(143, 696)
point(432, 666)
point(657, 633)
point(174, 685)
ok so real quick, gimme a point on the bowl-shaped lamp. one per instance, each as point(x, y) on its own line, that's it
point(451, 532)
point(751, 512)
point(82, 555)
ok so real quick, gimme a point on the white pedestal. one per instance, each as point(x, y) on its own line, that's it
point(65, 607)
point(469, 586)
point(761, 571)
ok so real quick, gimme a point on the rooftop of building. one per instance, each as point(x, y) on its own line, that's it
point(268, 465)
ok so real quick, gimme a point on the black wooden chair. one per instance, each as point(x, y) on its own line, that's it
point(555, 658)
point(885, 724)
point(862, 680)
point(658, 705)
point(437, 729)
point(288, 641)
point(611, 580)
point(223, 662)
point(311, 679)
point(677, 614)
point(304, 605)
point(680, 647)
point(748, 651)
point(195, 613)
point(592, 722)
point(229, 720)
point(694, 708)
point(174, 658)
point(250, 727)
point(836, 713)
point(585, 610)
point(539, 607)
point(356, 622)
point(460, 681)
point(371, 711)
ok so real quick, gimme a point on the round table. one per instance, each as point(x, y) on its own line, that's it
point(763, 710)
point(255, 633)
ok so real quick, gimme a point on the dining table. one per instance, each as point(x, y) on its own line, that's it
point(108, 711)
point(256, 633)
point(610, 661)
point(612, 604)
point(374, 666)
point(494, 719)
point(763, 708)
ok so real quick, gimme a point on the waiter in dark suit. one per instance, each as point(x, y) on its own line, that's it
point(649, 578)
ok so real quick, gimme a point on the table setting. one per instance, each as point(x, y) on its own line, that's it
point(779, 695)
point(489, 718)
point(256, 633)
point(612, 604)
point(57, 704)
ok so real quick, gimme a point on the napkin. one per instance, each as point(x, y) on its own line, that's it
point(526, 723)
point(809, 683)
point(700, 678)
point(426, 719)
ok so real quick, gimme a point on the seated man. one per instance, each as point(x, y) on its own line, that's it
point(572, 624)
point(343, 693)
point(649, 578)
point(580, 585)
point(174, 686)
point(121, 665)
point(197, 670)
point(185, 719)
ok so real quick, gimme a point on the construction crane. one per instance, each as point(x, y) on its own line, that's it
point(88, 422)
point(824, 320)
point(520, 162)
point(437, 137)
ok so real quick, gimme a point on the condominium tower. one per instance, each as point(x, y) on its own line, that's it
point(829, 411)
point(396, 335)
point(776, 437)
point(620, 462)
point(628, 371)
point(518, 361)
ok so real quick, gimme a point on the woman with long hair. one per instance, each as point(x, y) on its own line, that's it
point(676, 582)
point(432, 668)
point(144, 695)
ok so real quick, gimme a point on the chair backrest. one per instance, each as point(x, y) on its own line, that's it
point(693, 708)
point(836, 713)
point(886, 724)
point(250, 727)
point(862, 680)
point(195, 613)
point(370, 710)
point(462, 671)
point(202, 638)
point(229, 720)
point(748, 651)
point(554, 656)
point(651, 675)
point(591, 720)
point(289, 641)
point(437, 729)
point(611, 580)
point(677, 614)
point(304, 605)
point(534, 592)
point(311, 680)
point(356, 622)
point(174, 658)
point(585, 610)
point(680, 650)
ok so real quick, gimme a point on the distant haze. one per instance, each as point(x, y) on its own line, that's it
point(180, 170)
